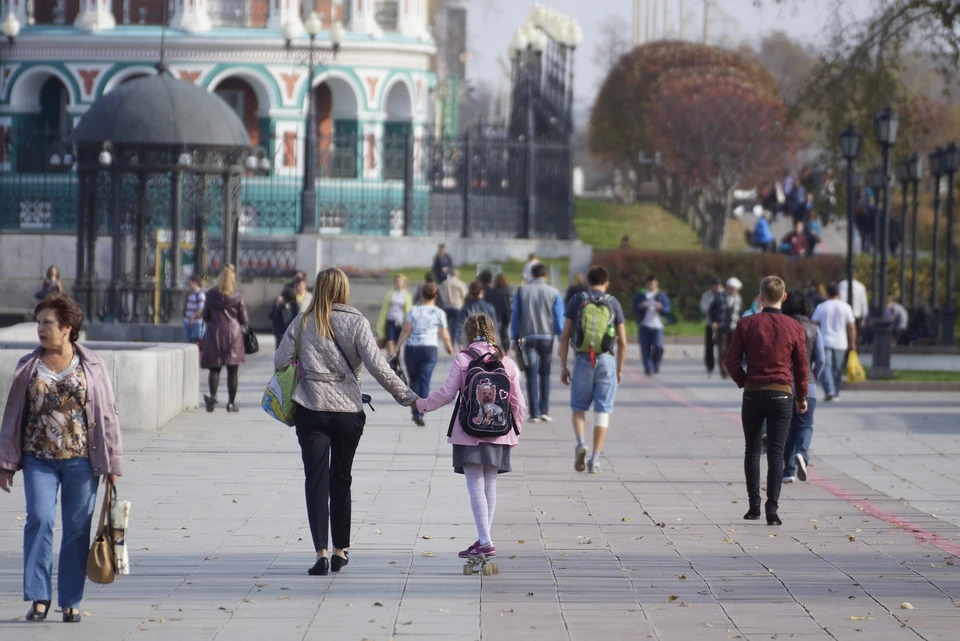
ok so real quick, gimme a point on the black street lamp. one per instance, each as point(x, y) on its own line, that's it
point(308, 196)
point(850, 143)
point(915, 172)
point(903, 177)
point(936, 170)
point(885, 126)
point(951, 164)
point(875, 182)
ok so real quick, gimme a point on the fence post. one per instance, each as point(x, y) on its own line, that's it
point(467, 183)
point(571, 230)
point(408, 184)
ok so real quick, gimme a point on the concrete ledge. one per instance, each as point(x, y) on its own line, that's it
point(153, 382)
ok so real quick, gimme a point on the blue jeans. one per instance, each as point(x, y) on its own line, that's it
point(453, 323)
point(834, 362)
point(78, 496)
point(420, 361)
point(651, 349)
point(593, 385)
point(193, 331)
point(798, 438)
point(538, 353)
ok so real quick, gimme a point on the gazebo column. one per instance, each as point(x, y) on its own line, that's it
point(175, 304)
point(139, 251)
point(114, 295)
point(199, 219)
point(79, 282)
point(227, 226)
point(93, 220)
point(95, 15)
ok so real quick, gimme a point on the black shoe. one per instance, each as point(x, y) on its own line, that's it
point(773, 519)
point(420, 422)
point(71, 617)
point(210, 401)
point(35, 615)
point(320, 568)
point(338, 562)
point(752, 515)
point(232, 407)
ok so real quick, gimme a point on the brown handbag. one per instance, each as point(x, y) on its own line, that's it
point(101, 565)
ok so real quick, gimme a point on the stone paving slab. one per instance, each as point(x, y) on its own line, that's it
point(652, 548)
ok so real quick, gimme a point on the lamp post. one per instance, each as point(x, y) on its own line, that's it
point(936, 170)
point(903, 177)
point(885, 126)
point(11, 27)
point(951, 163)
point(915, 171)
point(875, 181)
point(850, 142)
point(308, 197)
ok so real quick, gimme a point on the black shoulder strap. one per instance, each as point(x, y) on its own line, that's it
point(347, 360)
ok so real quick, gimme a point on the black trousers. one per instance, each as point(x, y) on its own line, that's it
point(328, 443)
point(776, 408)
point(708, 349)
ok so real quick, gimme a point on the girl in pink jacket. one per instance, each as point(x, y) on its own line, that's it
point(480, 459)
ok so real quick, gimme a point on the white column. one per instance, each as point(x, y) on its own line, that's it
point(413, 19)
point(282, 11)
point(362, 18)
point(190, 16)
point(638, 23)
point(95, 15)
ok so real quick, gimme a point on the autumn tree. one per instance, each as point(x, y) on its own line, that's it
point(717, 132)
point(619, 128)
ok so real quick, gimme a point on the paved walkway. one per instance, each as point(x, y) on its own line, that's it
point(652, 548)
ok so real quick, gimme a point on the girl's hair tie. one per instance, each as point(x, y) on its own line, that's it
point(479, 338)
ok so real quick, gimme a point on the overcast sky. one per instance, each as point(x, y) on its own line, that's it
point(491, 24)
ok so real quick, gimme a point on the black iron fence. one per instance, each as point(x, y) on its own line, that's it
point(395, 184)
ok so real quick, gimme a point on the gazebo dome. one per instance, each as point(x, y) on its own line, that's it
point(161, 111)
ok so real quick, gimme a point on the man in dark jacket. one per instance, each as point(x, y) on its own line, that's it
point(774, 348)
point(442, 264)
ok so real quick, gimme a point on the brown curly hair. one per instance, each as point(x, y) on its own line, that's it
point(482, 325)
point(67, 311)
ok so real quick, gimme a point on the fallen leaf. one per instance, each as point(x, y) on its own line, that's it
point(429, 555)
point(425, 537)
point(672, 598)
point(520, 541)
point(86, 614)
point(851, 537)
point(442, 610)
point(377, 531)
point(682, 577)
point(906, 605)
point(377, 604)
point(283, 598)
point(626, 519)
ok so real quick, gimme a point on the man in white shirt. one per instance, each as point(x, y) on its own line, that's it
point(528, 267)
point(839, 333)
point(860, 304)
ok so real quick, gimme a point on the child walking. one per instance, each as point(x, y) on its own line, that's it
point(494, 417)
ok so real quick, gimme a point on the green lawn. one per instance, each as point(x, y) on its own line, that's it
point(922, 376)
point(602, 224)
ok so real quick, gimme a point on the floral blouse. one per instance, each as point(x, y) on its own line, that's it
point(56, 425)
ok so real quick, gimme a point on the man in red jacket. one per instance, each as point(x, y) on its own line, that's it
point(774, 347)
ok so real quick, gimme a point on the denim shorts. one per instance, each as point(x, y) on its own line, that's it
point(593, 385)
point(393, 331)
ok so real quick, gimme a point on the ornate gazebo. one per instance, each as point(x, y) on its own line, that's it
point(159, 162)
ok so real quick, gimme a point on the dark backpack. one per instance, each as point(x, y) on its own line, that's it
point(483, 405)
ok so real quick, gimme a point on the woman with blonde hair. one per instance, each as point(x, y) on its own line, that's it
point(334, 340)
point(224, 314)
point(396, 305)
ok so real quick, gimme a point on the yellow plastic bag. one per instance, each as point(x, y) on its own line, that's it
point(855, 373)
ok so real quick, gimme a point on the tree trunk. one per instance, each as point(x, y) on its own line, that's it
point(718, 214)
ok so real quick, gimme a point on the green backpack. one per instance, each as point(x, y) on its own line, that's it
point(594, 331)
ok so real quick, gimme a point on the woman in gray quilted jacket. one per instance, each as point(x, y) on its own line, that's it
point(335, 340)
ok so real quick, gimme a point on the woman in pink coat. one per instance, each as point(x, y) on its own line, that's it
point(480, 459)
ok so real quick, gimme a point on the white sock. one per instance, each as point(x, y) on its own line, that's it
point(594, 457)
point(490, 490)
point(579, 441)
point(478, 500)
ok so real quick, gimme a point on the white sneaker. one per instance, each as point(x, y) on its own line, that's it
point(545, 418)
point(593, 468)
point(789, 479)
point(534, 419)
point(801, 467)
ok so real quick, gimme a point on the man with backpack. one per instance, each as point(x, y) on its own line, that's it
point(594, 323)
point(537, 319)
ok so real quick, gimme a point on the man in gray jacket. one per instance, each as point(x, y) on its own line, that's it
point(537, 319)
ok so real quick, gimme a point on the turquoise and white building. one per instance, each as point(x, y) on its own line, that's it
point(68, 53)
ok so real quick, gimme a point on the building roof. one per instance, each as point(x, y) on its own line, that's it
point(161, 110)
